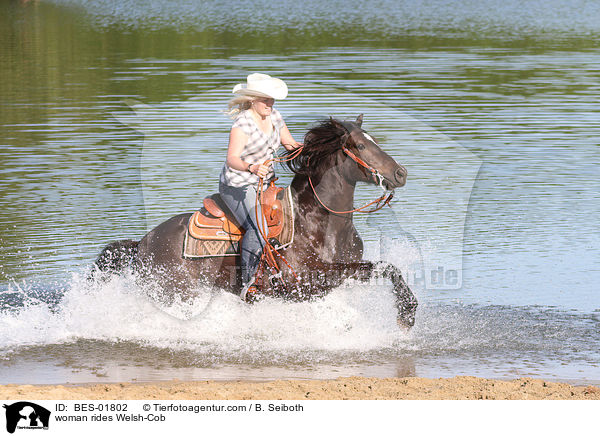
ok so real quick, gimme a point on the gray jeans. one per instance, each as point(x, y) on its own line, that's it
point(242, 203)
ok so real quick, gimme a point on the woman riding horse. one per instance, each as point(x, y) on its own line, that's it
point(257, 132)
point(327, 248)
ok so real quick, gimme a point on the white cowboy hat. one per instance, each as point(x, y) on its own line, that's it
point(262, 85)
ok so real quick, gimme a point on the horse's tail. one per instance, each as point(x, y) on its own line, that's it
point(117, 256)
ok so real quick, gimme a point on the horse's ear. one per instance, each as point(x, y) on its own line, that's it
point(359, 120)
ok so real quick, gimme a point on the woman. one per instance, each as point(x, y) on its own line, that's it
point(258, 130)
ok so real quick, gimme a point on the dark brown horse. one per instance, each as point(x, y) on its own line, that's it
point(326, 249)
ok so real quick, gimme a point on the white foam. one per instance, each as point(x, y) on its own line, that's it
point(354, 317)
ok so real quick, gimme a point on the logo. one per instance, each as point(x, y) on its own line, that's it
point(26, 415)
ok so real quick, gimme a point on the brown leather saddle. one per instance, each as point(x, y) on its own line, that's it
point(214, 221)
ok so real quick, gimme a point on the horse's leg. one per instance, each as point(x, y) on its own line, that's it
point(406, 302)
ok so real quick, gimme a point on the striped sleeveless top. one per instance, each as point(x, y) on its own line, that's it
point(258, 149)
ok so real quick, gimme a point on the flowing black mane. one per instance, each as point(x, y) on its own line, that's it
point(320, 144)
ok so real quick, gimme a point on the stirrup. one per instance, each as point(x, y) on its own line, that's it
point(244, 293)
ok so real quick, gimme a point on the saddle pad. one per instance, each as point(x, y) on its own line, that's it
point(194, 248)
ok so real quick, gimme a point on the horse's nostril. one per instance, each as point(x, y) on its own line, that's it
point(400, 175)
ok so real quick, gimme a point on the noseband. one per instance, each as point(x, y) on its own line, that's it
point(374, 172)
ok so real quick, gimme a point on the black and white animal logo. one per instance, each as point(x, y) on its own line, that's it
point(26, 415)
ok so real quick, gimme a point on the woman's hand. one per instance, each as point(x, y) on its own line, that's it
point(260, 170)
point(286, 139)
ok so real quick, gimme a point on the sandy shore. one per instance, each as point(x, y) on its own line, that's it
point(351, 388)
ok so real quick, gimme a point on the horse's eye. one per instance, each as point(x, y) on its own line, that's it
point(360, 146)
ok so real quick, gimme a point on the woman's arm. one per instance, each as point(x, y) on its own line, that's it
point(286, 139)
point(237, 142)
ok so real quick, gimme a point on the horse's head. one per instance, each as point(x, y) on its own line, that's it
point(371, 164)
point(345, 145)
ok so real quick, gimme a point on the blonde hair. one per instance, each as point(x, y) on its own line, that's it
point(238, 104)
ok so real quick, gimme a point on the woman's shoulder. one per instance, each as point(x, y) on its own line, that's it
point(276, 118)
point(275, 113)
point(241, 120)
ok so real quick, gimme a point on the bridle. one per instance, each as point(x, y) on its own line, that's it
point(377, 177)
point(374, 171)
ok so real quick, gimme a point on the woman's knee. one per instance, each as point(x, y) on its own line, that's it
point(254, 236)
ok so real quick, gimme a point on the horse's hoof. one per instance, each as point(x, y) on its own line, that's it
point(249, 294)
point(250, 297)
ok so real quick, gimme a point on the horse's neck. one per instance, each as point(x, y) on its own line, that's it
point(331, 190)
point(322, 234)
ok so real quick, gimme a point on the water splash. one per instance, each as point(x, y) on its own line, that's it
point(354, 317)
point(114, 323)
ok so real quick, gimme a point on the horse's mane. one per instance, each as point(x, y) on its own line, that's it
point(320, 144)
